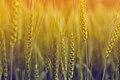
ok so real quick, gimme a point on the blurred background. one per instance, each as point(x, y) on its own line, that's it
point(102, 16)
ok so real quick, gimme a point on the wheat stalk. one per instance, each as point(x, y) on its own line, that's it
point(13, 36)
point(29, 44)
point(55, 60)
point(29, 50)
point(84, 29)
point(71, 63)
point(4, 60)
point(63, 60)
point(110, 46)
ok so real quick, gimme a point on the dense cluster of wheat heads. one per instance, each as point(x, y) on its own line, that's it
point(49, 40)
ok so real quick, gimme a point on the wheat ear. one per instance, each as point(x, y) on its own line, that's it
point(82, 19)
point(71, 63)
point(63, 60)
point(4, 60)
point(55, 60)
point(112, 41)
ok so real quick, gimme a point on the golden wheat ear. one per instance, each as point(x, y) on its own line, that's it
point(4, 55)
point(82, 19)
point(112, 40)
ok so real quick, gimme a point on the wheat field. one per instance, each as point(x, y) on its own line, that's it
point(59, 40)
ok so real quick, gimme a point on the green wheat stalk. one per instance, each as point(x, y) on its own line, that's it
point(84, 30)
